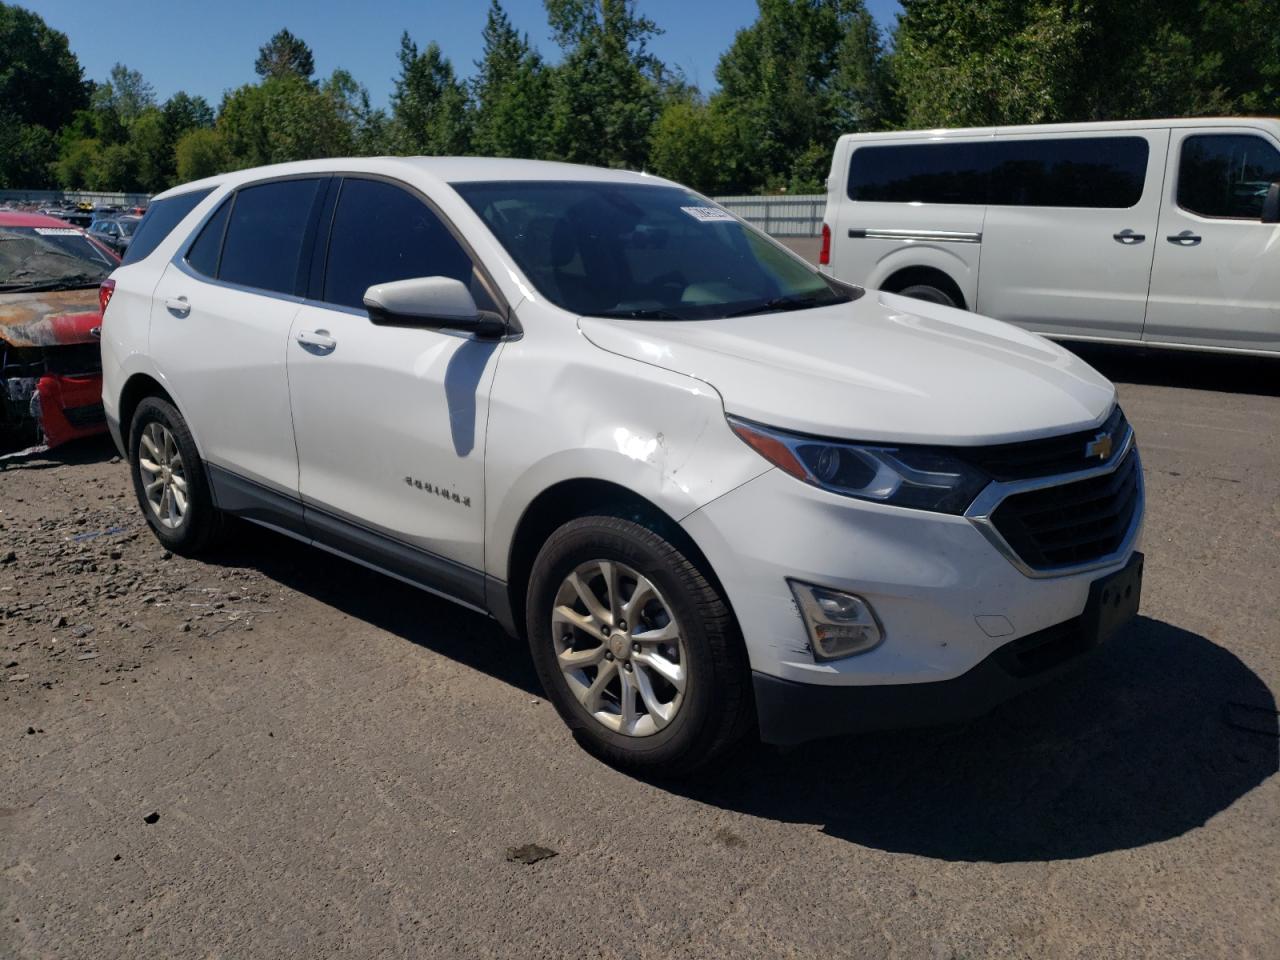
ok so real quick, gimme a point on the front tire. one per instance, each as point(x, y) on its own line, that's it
point(169, 479)
point(930, 293)
point(636, 647)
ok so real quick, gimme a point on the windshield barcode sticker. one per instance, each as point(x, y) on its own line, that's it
point(708, 214)
point(57, 231)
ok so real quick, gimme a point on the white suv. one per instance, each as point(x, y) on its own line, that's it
point(713, 488)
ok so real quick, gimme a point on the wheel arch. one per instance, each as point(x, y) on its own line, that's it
point(137, 388)
point(582, 497)
point(921, 274)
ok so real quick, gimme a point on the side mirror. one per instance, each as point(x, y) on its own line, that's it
point(440, 303)
point(1271, 206)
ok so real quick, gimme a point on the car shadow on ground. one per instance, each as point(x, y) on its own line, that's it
point(1225, 373)
point(96, 449)
point(1157, 732)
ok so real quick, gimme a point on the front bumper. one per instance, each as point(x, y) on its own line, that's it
point(790, 712)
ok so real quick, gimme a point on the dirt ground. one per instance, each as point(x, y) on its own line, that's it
point(277, 753)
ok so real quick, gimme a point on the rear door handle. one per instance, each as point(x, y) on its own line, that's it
point(319, 339)
point(1128, 236)
point(178, 306)
point(1184, 239)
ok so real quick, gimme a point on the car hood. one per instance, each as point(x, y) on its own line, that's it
point(50, 318)
point(883, 368)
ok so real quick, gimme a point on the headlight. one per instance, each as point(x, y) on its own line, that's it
point(921, 477)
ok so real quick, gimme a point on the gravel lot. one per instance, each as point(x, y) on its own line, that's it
point(277, 753)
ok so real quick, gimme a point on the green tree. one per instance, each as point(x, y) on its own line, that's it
point(369, 133)
point(429, 105)
point(510, 93)
point(125, 94)
point(41, 88)
point(691, 144)
point(285, 55)
point(281, 119)
point(201, 153)
point(607, 91)
point(802, 74)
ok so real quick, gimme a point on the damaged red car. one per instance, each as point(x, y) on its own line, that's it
point(50, 322)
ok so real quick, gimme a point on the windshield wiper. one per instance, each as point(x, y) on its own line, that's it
point(779, 304)
point(639, 314)
point(83, 281)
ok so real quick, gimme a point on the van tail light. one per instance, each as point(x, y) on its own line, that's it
point(105, 291)
point(824, 256)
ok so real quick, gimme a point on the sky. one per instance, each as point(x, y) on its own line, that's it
point(208, 47)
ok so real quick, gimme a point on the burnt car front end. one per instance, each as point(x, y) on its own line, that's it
point(50, 319)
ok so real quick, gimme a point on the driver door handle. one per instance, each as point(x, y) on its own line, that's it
point(319, 339)
point(1128, 236)
point(178, 306)
point(1184, 239)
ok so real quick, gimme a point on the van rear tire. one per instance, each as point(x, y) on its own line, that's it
point(924, 291)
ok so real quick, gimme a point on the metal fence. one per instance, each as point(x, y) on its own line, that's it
point(96, 197)
point(780, 216)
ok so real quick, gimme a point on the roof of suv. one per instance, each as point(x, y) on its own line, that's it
point(443, 169)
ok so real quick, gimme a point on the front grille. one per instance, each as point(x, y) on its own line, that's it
point(1072, 523)
point(90, 415)
point(1047, 457)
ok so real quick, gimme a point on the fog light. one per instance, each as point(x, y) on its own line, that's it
point(839, 624)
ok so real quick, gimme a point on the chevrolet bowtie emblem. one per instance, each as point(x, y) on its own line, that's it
point(1099, 446)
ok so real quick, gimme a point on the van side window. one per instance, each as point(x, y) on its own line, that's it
point(265, 235)
point(383, 233)
point(1226, 175)
point(1097, 172)
point(207, 250)
point(160, 219)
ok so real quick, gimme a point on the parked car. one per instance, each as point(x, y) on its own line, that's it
point(50, 316)
point(1157, 232)
point(712, 487)
point(115, 232)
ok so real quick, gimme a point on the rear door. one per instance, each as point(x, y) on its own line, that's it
point(1216, 280)
point(1070, 231)
point(220, 325)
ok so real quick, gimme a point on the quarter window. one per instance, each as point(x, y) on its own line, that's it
point(382, 233)
point(1098, 172)
point(266, 234)
point(160, 219)
point(205, 252)
point(1226, 175)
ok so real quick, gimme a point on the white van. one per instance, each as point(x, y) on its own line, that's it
point(1158, 232)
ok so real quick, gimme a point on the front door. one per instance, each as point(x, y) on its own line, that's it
point(1069, 233)
point(1216, 280)
point(390, 420)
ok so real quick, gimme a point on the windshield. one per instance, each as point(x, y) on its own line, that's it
point(127, 227)
point(50, 258)
point(642, 251)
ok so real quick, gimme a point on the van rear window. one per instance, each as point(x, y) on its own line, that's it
point(1100, 172)
point(158, 222)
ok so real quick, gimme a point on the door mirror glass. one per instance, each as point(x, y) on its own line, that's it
point(1271, 205)
point(437, 302)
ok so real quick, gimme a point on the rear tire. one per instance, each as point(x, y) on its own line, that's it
point(679, 663)
point(169, 479)
point(932, 294)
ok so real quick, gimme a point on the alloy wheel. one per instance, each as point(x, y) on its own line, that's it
point(164, 478)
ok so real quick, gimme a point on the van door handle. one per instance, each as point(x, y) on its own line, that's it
point(1128, 236)
point(1184, 239)
point(178, 306)
point(319, 339)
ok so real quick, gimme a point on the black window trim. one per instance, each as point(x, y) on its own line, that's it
point(229, 201)
point(1254, 132)
point(1140, 134)
point(314, 261)
point(316, 290)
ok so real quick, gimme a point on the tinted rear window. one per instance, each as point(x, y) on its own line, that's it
point(1100, 172)
point(266, 233)
point(1226, 175)
point(161, 217)
point(204, 253)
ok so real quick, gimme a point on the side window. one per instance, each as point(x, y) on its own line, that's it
point(383, 233)
point(160, 219)
point(1098, 172)
point(1226, 175)
point(266, 234)
point(207, 250)
point(920, 173)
